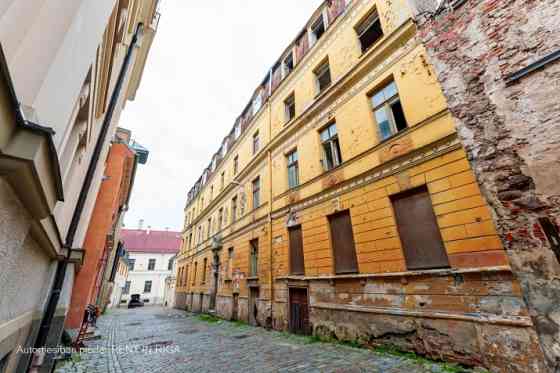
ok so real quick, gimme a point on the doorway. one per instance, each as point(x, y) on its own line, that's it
point(299, 311)
point(235, 307)
point(253, 310)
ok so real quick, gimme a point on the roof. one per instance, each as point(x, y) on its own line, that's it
point(151, 241)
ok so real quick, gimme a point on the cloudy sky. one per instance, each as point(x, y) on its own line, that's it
point(206, 61)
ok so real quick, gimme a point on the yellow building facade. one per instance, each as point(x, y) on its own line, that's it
point(342, 204)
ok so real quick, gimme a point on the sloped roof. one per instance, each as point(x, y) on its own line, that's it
point(151, 241)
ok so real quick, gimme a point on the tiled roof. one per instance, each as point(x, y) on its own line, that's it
point(150, 241)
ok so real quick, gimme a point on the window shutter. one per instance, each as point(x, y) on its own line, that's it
point(342, 240)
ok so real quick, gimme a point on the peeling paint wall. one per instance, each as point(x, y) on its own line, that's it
point(511, 133)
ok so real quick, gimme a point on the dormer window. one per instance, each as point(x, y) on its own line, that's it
point(257, 103)
point(317, 29)
point(237, 131)
point(214, 161)
point(224, 148)
point(288, 64)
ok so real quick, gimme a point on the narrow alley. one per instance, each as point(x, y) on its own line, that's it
point(155, 339)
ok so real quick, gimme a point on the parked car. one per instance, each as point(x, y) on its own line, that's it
point(135, 301)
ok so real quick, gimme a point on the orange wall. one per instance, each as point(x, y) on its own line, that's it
point(105, 210)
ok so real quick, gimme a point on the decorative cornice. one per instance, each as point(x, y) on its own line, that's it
point(392, 167)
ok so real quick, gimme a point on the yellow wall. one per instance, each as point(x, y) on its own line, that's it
point(462, 214)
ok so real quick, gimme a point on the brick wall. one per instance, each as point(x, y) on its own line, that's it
point(511, 132)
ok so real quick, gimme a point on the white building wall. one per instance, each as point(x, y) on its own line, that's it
point(140, 275)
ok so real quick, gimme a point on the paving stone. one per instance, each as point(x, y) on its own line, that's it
point(153, 339)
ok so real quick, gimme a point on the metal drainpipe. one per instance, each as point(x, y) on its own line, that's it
point(63, 264)
point(271, 281)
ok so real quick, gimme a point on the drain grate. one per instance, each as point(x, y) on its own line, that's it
point(134, 324)
point(240, 336)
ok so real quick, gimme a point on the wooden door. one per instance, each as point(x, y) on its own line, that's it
point(342, 239)
point(235, 307)
point(419, 233)
point(296, 251)
point(299, 311)
point(253, 296)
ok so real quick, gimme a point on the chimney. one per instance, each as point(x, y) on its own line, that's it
point(148, 230)
point(141, 224)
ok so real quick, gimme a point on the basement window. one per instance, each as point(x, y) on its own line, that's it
point(388, 111)
point(290, 107)
point(369, 31)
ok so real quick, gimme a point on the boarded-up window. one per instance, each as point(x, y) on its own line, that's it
point(204, 265)
point(418, 230)
point(296, 251)
point(342, 240)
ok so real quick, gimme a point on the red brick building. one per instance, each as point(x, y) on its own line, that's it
point(100, 245)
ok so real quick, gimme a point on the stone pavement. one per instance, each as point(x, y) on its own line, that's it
point(154, 339)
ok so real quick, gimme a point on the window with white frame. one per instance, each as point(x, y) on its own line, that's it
point(388, 111)
point(331, 147)
point(293, 169)
point(256, 142)
point(237, 131)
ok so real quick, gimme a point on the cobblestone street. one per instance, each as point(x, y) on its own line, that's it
point(154, 339)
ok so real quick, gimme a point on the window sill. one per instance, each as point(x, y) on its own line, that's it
point(252, 278)
point(433, 272)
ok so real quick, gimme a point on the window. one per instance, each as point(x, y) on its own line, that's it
point(222, 180)
point(388, 111)
point(209, 228)
point(199, 239)
point(254, 259)
point(293, 169)
point(317, 29)
point(288, 64)
point(204, 265)
point(170, 265)
point(190, 240)
point(256, 192)
point(237, 131)
point(151, 264)
point(290, 107)
point(126, 288)
point(211, 192)
point(296, 251)
point(233, 209)
point(214, 163)
point(331, 147)
point(147, 286)
point(195, 273)
point(342, 240)
point(369, 31)
point(257, 103)
point(131, 263)
point(256, 143)
point(323, 76)
point(418, 230)
point(220, 218)
point(235, 164)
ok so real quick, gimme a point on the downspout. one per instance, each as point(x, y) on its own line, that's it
point(271, 281)
point(58, 282)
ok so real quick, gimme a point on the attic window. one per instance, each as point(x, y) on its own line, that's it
point(288, 64)
point(237, 131)
point(369, 31)
point(317, 29)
